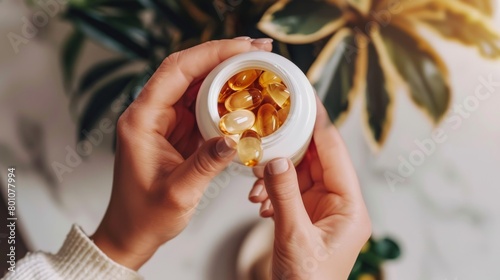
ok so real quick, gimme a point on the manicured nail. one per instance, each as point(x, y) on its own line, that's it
point(277, 166)
point(225, 147)
point(265, 206)
point(262, 41)
point(256, 191)
point(245, 38)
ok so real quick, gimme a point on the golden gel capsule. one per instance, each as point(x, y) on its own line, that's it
point(267, 120)
point(250, 148)
point(268, 78)
point(244, 99)
point(225, 92)
point(237, 121)
point(279, 93)
point(243, 79)
point(283, 114)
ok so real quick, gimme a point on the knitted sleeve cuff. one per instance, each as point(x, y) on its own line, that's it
point(78, 259)
point(80, 256)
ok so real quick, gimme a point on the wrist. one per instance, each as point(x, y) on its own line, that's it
point(121, 250)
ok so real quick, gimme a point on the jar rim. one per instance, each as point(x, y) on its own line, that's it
point(223, 76)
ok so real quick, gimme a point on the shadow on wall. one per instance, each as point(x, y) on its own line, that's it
point(226, 254)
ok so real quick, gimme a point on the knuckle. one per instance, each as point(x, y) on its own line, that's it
point(122, 126)
point(172, 59)
point(204, 165)
point(284, 187)
point(210, 44)
point(179, 200)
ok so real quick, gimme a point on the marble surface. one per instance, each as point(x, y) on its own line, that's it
point(445, 215)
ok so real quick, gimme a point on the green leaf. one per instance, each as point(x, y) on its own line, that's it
point(136, 86)
point(126, 22)
point(71, 52)
point(121, 5)
point(101, 102)
point(100, 71)
point(378, 99)
point(460, 22)
point(129, 41)
point(171, 11)
point(386, 249)
point(301, 22)
point(420, 68)
point(370, 262)
point(332, 74)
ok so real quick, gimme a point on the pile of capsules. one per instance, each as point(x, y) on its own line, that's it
point(252, 104)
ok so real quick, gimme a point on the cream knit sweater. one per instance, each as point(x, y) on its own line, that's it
point(78, 259)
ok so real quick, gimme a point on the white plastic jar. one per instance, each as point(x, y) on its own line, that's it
point(292, 139)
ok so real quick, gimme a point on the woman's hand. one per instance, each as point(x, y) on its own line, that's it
point(321, 222)
point(161, 171)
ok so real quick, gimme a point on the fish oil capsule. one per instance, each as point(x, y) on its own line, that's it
point(283, 114)
point(267, 120)
point(236, 122)
point(279, 93)
point(225, 92)
point(243, 79)
point(268, 78)
point(244, 99)
point(250, 148)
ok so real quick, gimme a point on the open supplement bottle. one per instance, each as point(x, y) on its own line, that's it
point(264, 102)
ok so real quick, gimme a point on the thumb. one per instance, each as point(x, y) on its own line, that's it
point(282, 187)
point(196, 172)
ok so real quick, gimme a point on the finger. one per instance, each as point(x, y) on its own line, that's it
point(266, 209)
point(152, 109)
point(338, 172)
point(192, 176)
point(182, 128)
point(180, 69)
point(258, 171)
point(304, 170)
point(283, 189)
point(258, 193)
point(191, 93)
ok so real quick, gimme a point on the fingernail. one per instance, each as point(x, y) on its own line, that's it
point(277, 166)
point(256, 191)
point(262, 41)
point(245, 38)
point(265, 206)
point(225, 147)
